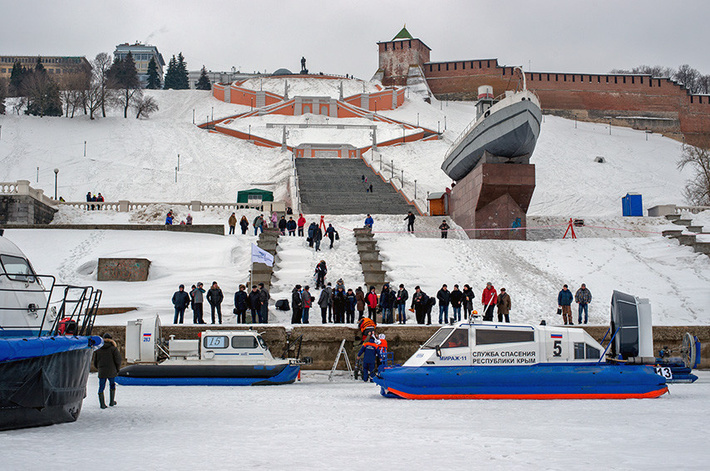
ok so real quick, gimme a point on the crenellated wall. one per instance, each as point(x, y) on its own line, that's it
point(638, 101)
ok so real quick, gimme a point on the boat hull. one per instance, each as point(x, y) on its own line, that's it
point(540, 381)
point(45, 389)
point(509, 132)
point(207, 375)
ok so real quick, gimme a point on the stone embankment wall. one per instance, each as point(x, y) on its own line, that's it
point(322, 342)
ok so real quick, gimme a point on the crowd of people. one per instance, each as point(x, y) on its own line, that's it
point(92, 198)
point(256, 302)
point(170, 219)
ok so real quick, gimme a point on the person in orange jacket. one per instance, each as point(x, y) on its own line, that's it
point(367, 326)
point(369, 353)
point(382, 353)
point(489, 299)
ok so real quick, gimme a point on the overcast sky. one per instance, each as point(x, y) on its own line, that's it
point(340, 36)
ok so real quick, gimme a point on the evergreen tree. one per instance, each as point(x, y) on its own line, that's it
point(153, 78)
point(123, 77)
point(42, 92)
point(204, 82)
point(16, 77)
point(3, 94)
point(182, 82)
point(169, 79)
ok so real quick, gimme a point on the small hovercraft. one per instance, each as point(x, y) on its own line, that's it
point(217, 358)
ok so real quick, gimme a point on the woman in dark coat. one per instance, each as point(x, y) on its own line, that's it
point(241, 304)
point(107, 360)
point(360, 302)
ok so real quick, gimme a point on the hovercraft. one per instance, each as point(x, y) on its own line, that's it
point(45, 343)
point(216, 358)
point(473, 359)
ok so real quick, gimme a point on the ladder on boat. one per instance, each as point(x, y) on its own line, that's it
point(343, 352)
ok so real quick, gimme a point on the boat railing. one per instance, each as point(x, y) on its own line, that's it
point(77, 307)
point(63, 309)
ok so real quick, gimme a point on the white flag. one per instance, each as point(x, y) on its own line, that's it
point(259, 255)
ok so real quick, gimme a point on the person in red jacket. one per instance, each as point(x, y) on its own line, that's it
point(301, 222)
point(371, 300)
point(489, 299)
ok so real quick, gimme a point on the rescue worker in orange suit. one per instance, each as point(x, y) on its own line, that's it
point(367, 327)
point(368, 352)
point(381, 353)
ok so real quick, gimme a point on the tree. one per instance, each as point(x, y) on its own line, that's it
point(688, 77)
point(123, 77)
point(153, 78)
point(100, 67)
point(204, 82)
point(182, 81)
point(73, 92)
point(16, 76)
point(42, 92)
point(3, 94)
point(144, 106)
point(169, 78)
point(697, 190)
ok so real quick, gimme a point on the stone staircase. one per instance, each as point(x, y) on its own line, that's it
point(260, 272)
point(684, 237)
point(334, 186)
point(370, 260)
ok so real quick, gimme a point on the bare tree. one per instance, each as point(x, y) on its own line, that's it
point(697, 190)
point(687, 76)
point(144, 106)
point(73, 92)
point(3, 94)
point(100, 67)
point(94, 97)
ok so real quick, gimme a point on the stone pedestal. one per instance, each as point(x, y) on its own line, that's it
point(494, 197)
point(123, 269)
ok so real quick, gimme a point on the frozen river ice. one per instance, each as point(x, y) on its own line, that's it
point(315, 424)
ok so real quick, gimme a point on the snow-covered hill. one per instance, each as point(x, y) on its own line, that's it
point(136, 159)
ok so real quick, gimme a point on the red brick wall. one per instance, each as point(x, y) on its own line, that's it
point(587, 96)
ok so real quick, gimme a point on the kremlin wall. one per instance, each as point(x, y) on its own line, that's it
point(638, 101)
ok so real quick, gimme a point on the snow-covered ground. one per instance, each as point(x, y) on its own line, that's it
point(347, 425)
point(310, 86)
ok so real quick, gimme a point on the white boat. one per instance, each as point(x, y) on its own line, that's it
point(216, 358)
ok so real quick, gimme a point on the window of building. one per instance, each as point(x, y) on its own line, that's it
point(480, 64)
point(503, 70)
point(557, 77)
point(489, 64)
point(573, 78)
point(492, 336)
point(455, 64)
point(447, 66)
point(624, 78)
point(616, 79)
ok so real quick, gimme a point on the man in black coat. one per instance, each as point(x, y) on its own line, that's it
point(254, 304)
point(180, 300)
point(444, 296)
point(296, 305)
point(410, 221)
point(215, 298)
point(241, 304)
point(456, 301)
point(107, 360)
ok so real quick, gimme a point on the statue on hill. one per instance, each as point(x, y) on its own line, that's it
point(304, 71)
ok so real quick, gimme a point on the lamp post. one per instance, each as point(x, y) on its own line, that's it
point(415, 189)
point(56, 172)
point(193, 116)
point(417, 119)
point(212, 114)
point(392, 168)
point(176, 169)
point(178, 166)
point(403, 134)
point(84, 148)
point(438, 127)
point(249, 138)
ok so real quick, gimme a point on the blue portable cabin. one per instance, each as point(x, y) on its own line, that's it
point(632, 205)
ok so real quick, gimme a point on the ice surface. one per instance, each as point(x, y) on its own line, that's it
point(347, 425)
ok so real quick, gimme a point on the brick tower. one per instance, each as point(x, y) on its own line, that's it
point(397, 55)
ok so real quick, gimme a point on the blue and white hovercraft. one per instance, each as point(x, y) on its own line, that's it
point(45, 343)
point(216, 358)
point(484, 360)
